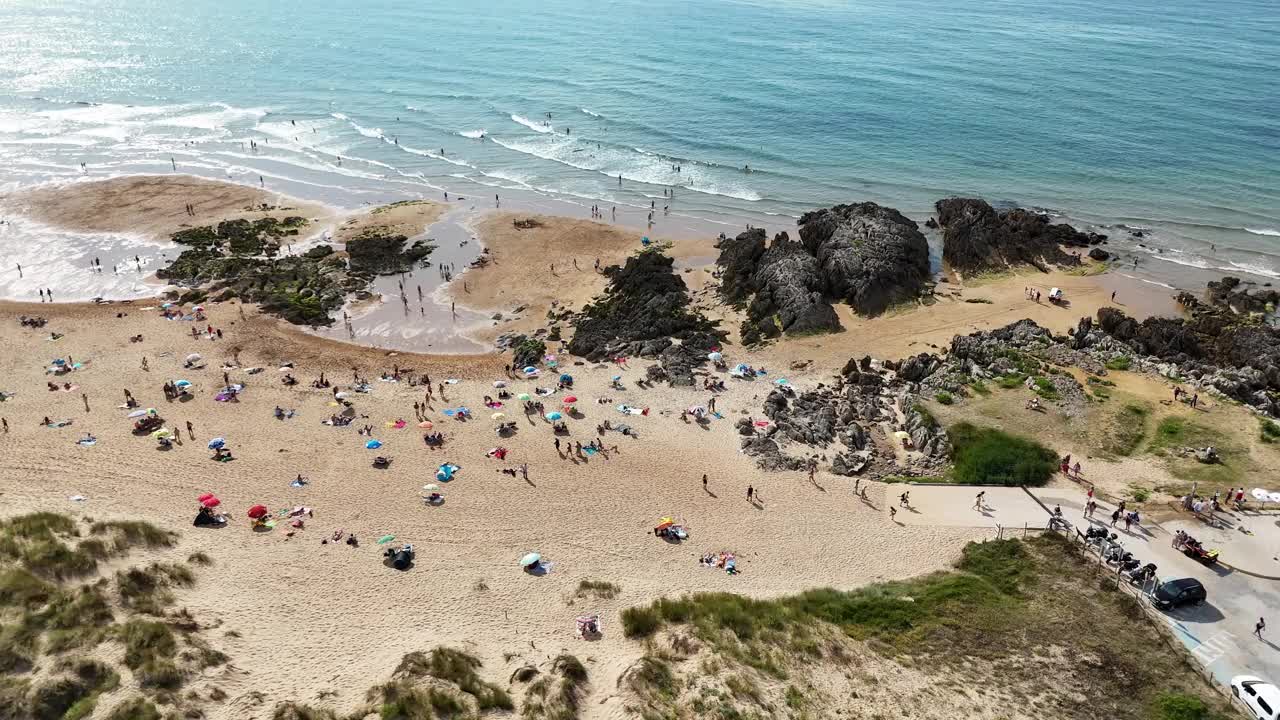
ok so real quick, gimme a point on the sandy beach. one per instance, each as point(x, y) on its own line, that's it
point(318, 622)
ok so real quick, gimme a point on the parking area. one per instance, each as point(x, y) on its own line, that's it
point(1218, 633)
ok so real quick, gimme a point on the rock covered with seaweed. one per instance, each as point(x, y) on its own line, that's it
point(645, 307)
point(241, 259)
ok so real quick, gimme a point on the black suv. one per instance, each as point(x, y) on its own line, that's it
point(1175, 593)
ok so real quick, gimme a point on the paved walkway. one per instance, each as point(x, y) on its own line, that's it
point(953, 506)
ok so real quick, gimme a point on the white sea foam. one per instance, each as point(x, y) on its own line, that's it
point(535, 126)
point(473, 134)
point(592, 114)
point(1263, 231)
point(631, 165)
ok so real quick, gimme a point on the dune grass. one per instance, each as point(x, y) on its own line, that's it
point(135, 708)
point(1006, 601)
point(600, 589)
point(146, 590)
point(457, 667)
point(558, 695)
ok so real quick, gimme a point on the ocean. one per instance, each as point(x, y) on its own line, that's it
point(1159, 116)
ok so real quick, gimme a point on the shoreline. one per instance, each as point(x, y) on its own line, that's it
point(468, 231)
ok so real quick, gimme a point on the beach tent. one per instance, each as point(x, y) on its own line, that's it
point(446, 471)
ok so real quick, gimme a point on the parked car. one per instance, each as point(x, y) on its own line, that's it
point(1261, 697)
point(1176, 593)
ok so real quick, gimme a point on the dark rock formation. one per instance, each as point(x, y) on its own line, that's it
point(1099, 254)
point(788, 294)
point(644, 306)
point(870, 256)
point(975, 237)
point(1241, 297)
point(865, 255)
point(739, 257)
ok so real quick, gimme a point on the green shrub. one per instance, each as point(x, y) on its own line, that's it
point(1270, 430)
point(1011, 382)
point(1045, 388)
point(986, 456)
point(944, 397)
point(1140, 494)
point(1121, 362)
point(1180, 706)
point(1128, 431)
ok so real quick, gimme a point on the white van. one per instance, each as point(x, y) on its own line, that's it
point(1261, 697)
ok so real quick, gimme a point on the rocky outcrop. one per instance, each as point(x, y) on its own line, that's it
point(865, 255)
point(870, 256)
point(382, 254)
point(738, 260)
point(788, 294)
point(975, 237)
point(1233, 294)
point(643, 308)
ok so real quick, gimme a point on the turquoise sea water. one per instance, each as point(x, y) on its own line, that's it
point(1159, 115)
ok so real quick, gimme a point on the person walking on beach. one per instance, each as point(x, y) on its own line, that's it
point(174, 163)
point(751, 491)
point(41, 294)
point(85, 398)
point(1259, 627)
point(4, 422)
point(977, 503)
point(19, 269)
point(1195, 398)
point(905, 499)
point(893, 513)
point(704, 483)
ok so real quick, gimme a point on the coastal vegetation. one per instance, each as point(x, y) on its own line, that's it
point(993, 457)
point(56, 609)
point(993, 619)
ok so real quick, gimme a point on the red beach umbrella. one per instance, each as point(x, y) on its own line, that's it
point(204, 497)
point(211, 502)
point(258, 511)
point(570, 399)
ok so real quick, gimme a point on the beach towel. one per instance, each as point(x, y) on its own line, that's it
point(87, 442)
point(628, 410)
point(58, 423)
point(451, 381)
